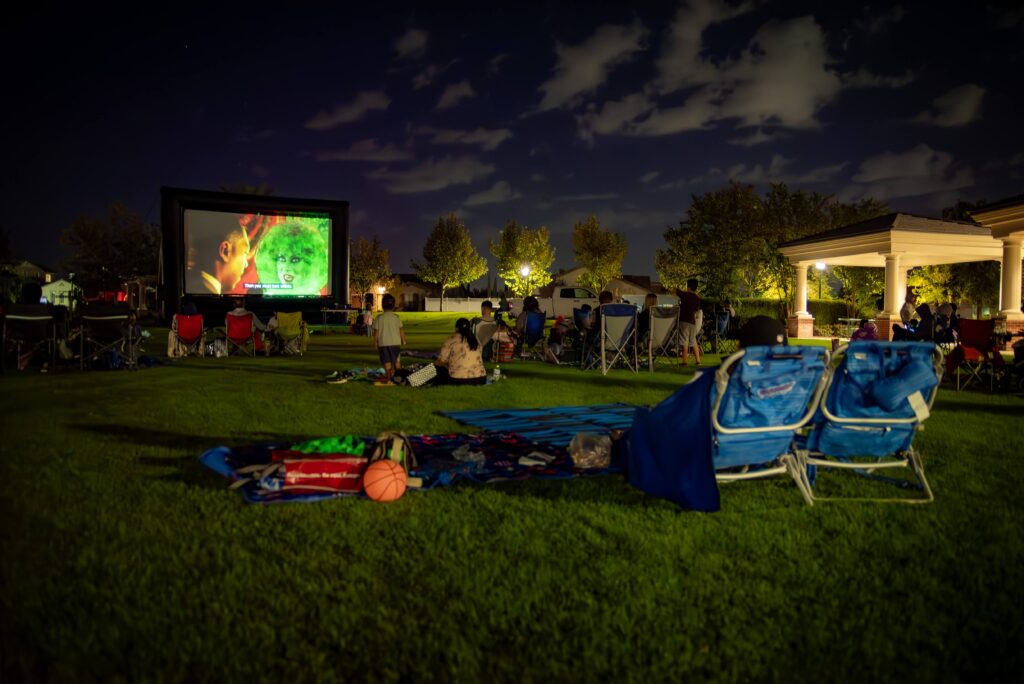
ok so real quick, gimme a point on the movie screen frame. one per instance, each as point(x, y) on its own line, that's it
point(260, 215)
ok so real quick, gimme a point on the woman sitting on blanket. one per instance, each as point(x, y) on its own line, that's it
point(460, 361)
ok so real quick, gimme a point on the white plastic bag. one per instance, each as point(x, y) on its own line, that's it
point(591, 451)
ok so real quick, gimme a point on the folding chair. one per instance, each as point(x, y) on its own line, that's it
point(240, 334)
point(875, 399)
point(976, 354)
point(484, 331)
point(291, 333)
point(534, 333)
point(188, 334)
point(105, 331)
point(618, 336)
point(584, 339)
point(761, 397)
point(720, 334)
point(663, 337)
point(28, 326)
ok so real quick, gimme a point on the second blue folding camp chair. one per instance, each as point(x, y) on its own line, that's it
point(761, 397)
point(533, 335)
point(663, 337)
point(876, 398)
point(618, 337)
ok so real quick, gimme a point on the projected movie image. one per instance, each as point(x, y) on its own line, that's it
point(276, 255)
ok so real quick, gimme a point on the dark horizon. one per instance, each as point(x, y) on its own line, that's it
point(623, 113)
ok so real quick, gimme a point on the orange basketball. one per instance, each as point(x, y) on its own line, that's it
point(384, 480)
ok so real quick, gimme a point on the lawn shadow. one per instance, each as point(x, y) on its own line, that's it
point(997, 409)
point(139, 436)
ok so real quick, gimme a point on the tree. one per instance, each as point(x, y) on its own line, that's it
point(107, 252)
point(369, 267)
point(598, 250)
point(449, 257)
point(520, 246)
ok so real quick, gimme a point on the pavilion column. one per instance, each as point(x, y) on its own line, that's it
point(1010, 292)
point(800, 323)
point(895, 292)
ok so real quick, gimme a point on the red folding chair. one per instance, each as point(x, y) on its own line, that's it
point(976, 354)
point(188, 333)
point(240, 333)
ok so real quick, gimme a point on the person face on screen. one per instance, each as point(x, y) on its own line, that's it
point(294, 255)
point(220, 260)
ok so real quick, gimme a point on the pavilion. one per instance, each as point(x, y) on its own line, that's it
point(898, 242)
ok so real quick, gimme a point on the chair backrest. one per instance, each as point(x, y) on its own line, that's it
point(875, 397)
point(664, 320)
point(103, 320)
point(535, 321)
point(618, 322)
point(485, 331)
point(581, 319)
point(188, 328)
point(762, 396)
point(28, 322)
point(976, 334)
point(289, 324)
point(239, 328)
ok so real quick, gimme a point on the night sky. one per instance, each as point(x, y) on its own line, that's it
point(541, 114)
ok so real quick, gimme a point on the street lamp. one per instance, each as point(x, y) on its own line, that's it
point(821, 267)
point(525, 272)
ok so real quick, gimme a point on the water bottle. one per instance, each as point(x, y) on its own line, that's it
point(497, 374)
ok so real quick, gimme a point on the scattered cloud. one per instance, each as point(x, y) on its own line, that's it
point(499, 192)
point(779, 170)
point(432, 175)
point(959, 107)
point(426, 77)
point(366, 150)
point(875, 23)
point(758, 137)
point(454, 94)
point(862, 78)
point(649, 176)
point(583, 68)
point(537, 177)
point(487, 138)
point(920, 170)
point(612, 116)
point(364, 102)
point(495, 64)
point(587, 198)
point(411, 44)
point(681, 63)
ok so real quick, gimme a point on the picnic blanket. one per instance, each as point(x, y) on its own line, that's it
point(441, 460)
point(556, 425)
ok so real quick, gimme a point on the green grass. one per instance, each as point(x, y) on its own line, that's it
point(124, 559)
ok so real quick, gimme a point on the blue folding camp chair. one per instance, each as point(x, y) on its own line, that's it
point(663, 337)
point(876, 397)
point(761, 397)
point(534, 334)
point(617, 337)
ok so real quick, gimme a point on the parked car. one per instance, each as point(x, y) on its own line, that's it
point(564, 301)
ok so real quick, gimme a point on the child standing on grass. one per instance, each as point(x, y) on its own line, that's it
point(388, 336)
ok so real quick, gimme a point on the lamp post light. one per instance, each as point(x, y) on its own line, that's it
point(821, 268)
point(525, 272)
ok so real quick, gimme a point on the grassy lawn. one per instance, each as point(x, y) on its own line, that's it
point(125, 559)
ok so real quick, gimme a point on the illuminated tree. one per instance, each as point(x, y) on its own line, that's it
point(449, 257)
point(598, 250)
point(369, 267)
point(520, 247)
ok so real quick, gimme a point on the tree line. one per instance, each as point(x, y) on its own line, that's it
point(728, 239)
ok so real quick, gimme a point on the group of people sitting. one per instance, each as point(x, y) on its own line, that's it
point(921, 322)
point(265, 337)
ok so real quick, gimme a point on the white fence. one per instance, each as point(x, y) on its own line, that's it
point(457, 304)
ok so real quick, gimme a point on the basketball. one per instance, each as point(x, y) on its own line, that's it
point(384, 480)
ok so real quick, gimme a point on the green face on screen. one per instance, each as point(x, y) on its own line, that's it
point(294, 255)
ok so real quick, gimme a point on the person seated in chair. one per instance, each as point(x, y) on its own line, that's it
point(460, 362)
point(486, 316)
point(643, 320)
point(556, 339)
point(865, 331)
point(531, 307)
point(240, 310)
